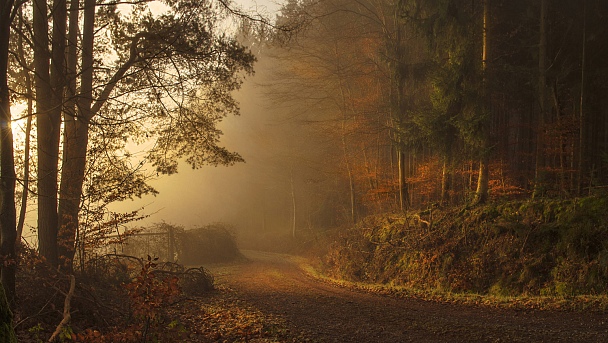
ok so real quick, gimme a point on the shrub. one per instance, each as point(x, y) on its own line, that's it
point(208, 244)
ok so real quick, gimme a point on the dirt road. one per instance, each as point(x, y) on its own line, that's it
point(318, 312)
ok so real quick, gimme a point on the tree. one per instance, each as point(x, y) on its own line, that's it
point(453, 117)
point(315, 71)
point(77, 117)
point(582, 158)
point(542, 94)
point(24, 82)
point(481, 195)
point(49, 90)
point(465, 107)
point(366, 88)
point(8, 223)
point(177, 61)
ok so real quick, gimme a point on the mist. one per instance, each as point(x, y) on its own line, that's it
point(319, 171)
point(284, 162)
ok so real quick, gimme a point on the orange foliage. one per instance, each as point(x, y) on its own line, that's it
point(149, 297)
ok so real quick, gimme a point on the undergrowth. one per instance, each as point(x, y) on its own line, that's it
point(549, 248)
point(117, 298)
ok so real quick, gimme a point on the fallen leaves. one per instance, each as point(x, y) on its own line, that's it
point(222, 317)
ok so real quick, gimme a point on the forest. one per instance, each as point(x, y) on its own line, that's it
point(438, 145)
point(448, 102)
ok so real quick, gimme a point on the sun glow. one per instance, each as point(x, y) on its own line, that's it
point(19, 115)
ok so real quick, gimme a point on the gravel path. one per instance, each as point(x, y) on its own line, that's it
point(317, 312)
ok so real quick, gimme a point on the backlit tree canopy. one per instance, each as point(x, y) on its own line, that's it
point(157, 76)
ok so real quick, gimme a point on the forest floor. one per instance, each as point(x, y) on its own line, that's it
point(270, 298)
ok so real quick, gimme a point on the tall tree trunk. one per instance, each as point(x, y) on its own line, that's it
point(582, 117)
point(562, 143)
point(403, 196)
point(400, 106)
point(70, 133)
point(351, 181)
point(481, 195)
point(76, 133)
point(453, 110)
point(293, 203)
point(26, 163)
point(170, 243)
point(28, 129)
point(445, 182)
point(47, 242)
point(50, 84)
point(8, 224)
point(542, 100)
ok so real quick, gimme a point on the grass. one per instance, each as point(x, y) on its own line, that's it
point(593, 303)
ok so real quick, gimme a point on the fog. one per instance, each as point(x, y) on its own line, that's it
point(196, 196)
point(284, 161)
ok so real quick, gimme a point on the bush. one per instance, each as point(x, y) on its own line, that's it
point(118, 298)
point(209, 244)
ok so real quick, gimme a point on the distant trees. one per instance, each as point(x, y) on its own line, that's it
point(332, 68)
point(451, 101)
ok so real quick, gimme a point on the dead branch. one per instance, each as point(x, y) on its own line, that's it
point(66, 310)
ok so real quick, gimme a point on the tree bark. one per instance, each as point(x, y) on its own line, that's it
point(8, 223)
point(28, 129)
point(50, 82)
point(66, 221)
point(403, 196)
point(400, 106)
point(445, 182)
point(76, 136)
point(293, 203)
point(542, 100)
point(351, 181)
point(582, 117)
point(481, 195)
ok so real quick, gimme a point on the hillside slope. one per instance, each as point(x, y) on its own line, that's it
point(555, 248)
